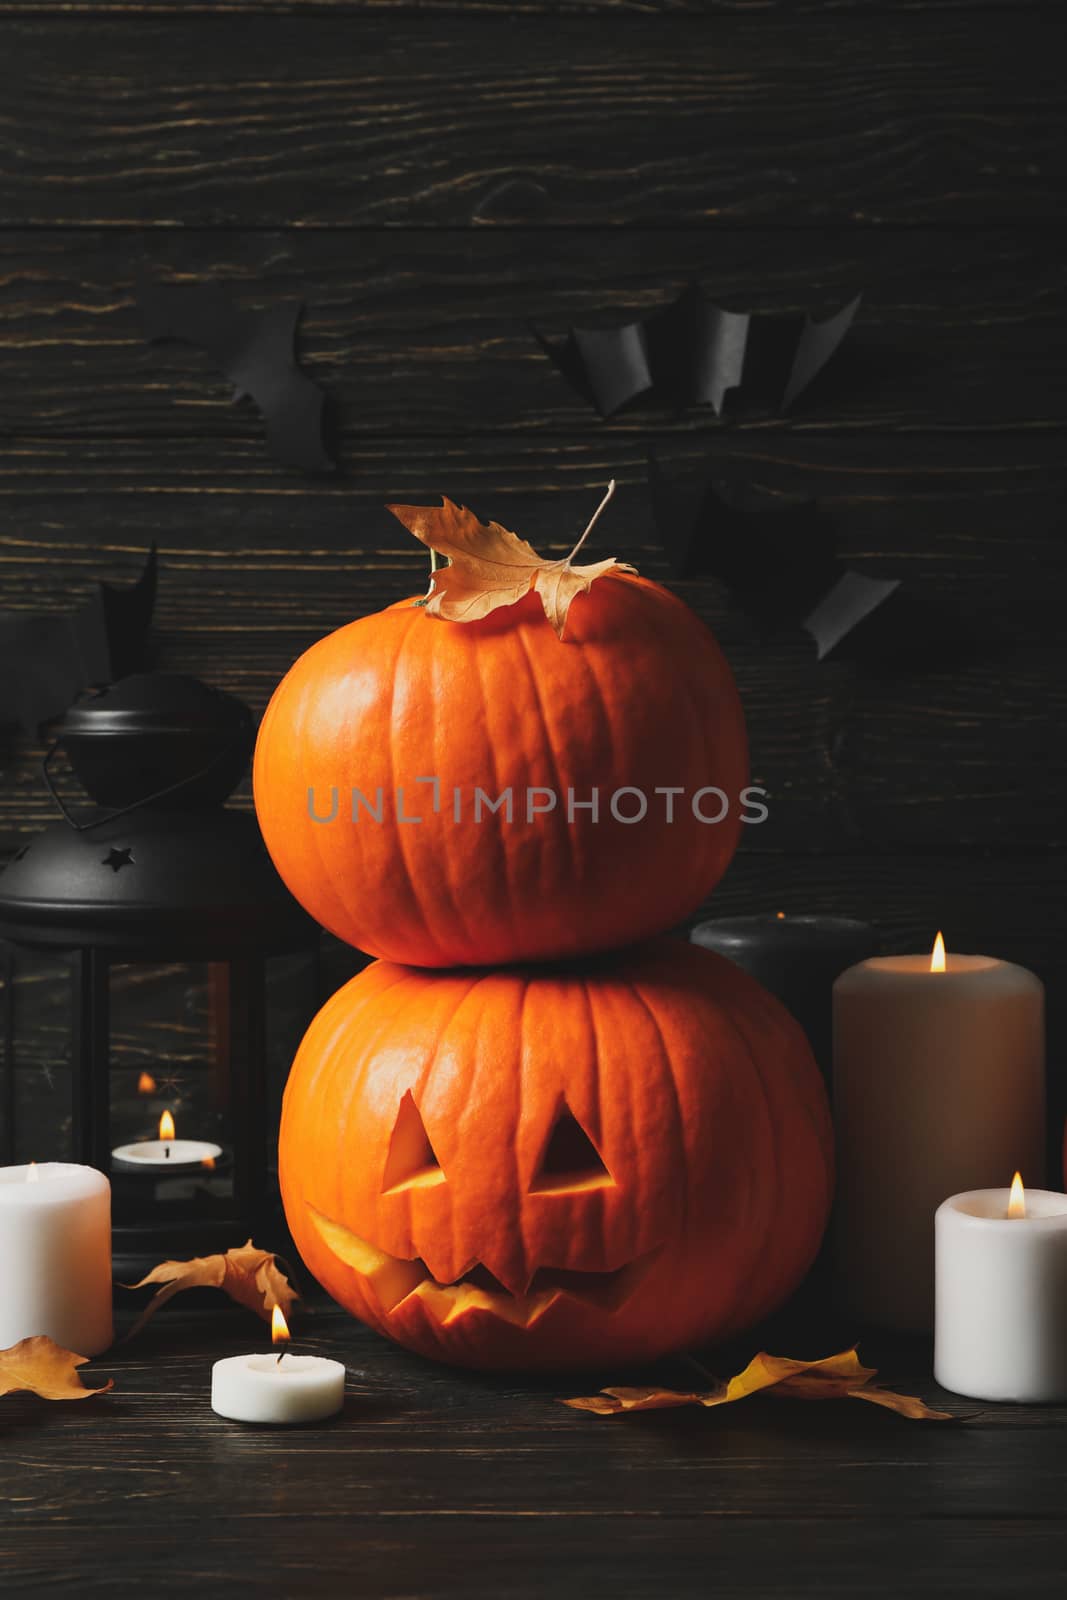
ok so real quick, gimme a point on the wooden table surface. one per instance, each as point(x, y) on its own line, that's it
point(439, 1483)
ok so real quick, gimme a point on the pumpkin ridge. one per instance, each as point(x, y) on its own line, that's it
point(500, 844)
point(427, 1068)
point(410, 877)
point(346, 1076)
point(549, 742)
point(749, 1054)
point(456, 898)
point(600, 1030)
point(322, 1067)
point(668, 1073)
point(514, 1079)
point(594, 1038)
point(346, 1084)
point(326, 876)
point(521, 1079)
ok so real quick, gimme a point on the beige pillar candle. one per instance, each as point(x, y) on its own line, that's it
point(939, 1088)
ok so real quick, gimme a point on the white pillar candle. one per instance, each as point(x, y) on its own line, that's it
point(939, 1087)
point(55, 1256)
point(265, 1389)
point(1001, 1327)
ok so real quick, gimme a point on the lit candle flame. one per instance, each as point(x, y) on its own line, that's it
point(146, 1084)
point(780, 915)
point(937, 955)
point(1017, 1198)
point(32, 1175)
point(166, 1126)
point(279, 1330)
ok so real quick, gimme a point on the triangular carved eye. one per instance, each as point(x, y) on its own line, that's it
point(411, 1163)
point(570, 1162)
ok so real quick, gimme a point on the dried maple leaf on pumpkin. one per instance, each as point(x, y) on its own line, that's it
point(43, 1367)
point(839, 1377)
point(489, 567)
point(251, 1277)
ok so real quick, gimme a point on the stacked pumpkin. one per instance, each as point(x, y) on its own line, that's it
point(522, 1136)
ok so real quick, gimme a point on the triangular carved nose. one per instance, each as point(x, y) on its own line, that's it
point(411, 1163)
point(570, 1162)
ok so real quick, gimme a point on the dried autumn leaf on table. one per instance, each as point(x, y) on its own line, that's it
point(905, 1405)
point(251, 1277)
point(489, 567)
point(839, 1377)
point(43, 1367)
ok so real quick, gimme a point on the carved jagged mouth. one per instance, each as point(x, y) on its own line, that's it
point(394, 1280)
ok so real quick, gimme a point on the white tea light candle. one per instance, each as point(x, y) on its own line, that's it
point(1001, 1316)
point(55, 1256)
point(939, 1087)
point(267, 1388)
point(277, 1389)
point(168, 1153)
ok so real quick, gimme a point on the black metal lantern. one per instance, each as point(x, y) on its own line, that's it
point(157, 974)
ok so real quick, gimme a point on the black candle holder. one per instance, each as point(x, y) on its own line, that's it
point(797, 958)
point(154, 963)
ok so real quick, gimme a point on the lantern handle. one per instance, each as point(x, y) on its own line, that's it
point(135, 805)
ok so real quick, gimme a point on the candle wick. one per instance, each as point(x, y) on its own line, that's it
point(279, 1361)
point(166, 1152)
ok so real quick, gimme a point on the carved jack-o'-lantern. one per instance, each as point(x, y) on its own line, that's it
point(558, 1166)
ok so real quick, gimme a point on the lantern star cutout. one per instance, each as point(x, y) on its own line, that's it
point(117, 859)
point(169, 1086)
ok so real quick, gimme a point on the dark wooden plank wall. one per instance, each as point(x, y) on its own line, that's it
point(400, 117)
point(430, 178)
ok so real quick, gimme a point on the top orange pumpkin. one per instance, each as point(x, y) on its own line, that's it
point(387, 744)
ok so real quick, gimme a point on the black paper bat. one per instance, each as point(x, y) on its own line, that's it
point(46, 661)
point(256, 351)
point(691, 352)
point(777, 557)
